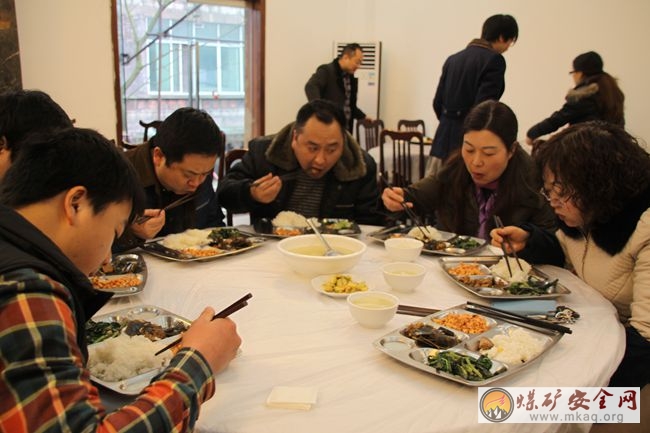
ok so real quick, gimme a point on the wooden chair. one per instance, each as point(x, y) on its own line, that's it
point(368, 132)
point(411, 125)
point(225, 164)
point(404, 149)
point(154, 124)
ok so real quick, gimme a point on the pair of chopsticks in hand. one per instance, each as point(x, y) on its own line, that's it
point(187, 197)
point(409, 212)
point(283, 177)
point(235, 306)
point(499, 224)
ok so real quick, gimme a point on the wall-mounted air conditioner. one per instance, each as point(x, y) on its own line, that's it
point(368, 74)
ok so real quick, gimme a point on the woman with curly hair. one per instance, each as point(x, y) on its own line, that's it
point(597, 179)
point(490, 175)
point(596, 96)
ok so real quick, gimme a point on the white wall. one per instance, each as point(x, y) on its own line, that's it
point(66, 51)
point(418, 35)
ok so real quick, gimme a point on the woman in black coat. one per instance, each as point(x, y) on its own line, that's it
point(596, 96)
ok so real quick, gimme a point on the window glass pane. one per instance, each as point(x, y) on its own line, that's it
point(165, 73)
point(230, 69)
point(208, 68)
point(206, 30)
point(153, 68)
point(230, 32)
point(182, 29)
point(176, 67)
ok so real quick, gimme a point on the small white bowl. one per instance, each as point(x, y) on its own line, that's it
point(372, 309)
point(403, 276)
point(294, 249)
point(403, 249)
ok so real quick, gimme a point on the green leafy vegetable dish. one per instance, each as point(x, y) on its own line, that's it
point(462, 365)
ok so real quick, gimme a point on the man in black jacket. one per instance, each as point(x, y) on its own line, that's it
point(177, 162)
point(471, 76)
point(335, 82)
point(312, 167)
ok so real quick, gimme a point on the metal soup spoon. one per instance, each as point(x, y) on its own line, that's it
point(329, 251)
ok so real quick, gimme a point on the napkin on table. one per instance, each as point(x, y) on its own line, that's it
point(292, 397)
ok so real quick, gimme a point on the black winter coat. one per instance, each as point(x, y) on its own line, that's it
point(580, 106)
point(471, 76)
point(327, 83)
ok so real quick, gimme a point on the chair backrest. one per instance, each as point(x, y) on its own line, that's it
point(154, 124)
point(225, 163)
point(368, 132)
point(411, 125)
point(398, 152)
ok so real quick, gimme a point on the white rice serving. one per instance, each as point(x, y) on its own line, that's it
point(515, 347)
point(432, 234)
point(192, 238)
point(124, 357)
point(518, 275)
point(289, 218)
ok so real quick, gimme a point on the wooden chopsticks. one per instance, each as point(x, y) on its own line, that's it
point(499, 224)
point(283, 177)
point(411, 310)
point(235, 306)
point(187, 197)
point(411, 214)
point(513, 317)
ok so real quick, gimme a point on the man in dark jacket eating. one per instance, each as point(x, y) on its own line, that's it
point(312, 167)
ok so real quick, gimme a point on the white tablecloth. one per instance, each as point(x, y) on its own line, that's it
point(294, 336)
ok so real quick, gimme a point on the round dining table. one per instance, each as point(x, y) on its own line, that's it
point(294, 336)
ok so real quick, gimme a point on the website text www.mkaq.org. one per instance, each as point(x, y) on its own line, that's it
point(578, 417)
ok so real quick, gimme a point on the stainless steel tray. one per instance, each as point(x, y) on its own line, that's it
point(159, 316)
point(155, 248)
point(494, 292)
point(447, 246)
point(124, 265)
point(404, 349)
point(264, 227)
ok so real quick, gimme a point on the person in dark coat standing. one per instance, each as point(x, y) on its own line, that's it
point(596, 96)
point(471, 76)
point(335, 81)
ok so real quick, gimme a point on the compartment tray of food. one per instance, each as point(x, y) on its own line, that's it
point(466, 347)
point(474, 275)
point(436, 242)
point(202, 244)
point(294, 227)
point(125, 275)
point(122, 344)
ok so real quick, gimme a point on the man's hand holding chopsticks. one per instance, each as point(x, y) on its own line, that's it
point(151, 225)
point(217, 340)
point(266, 188)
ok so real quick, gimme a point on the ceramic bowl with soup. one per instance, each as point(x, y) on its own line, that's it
point(372, 309)
point(305, 254)
point(403, 276)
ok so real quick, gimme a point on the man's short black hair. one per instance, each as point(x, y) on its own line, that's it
point(188, 131)
point(500, 26)
point(23, 112)
point(325, 111)
point(350, 49)
point(51, 164)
